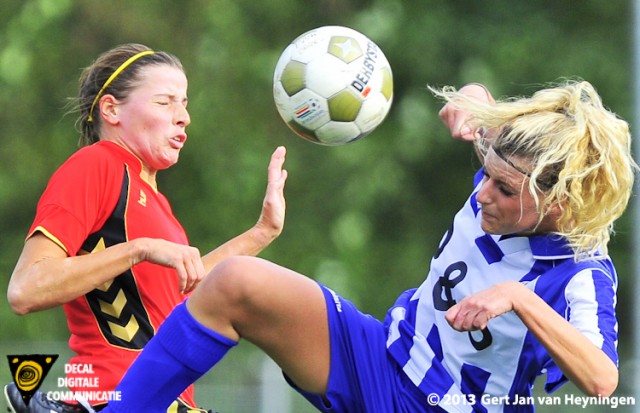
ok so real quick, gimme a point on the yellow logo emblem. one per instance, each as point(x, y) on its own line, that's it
point(28, 371)
point(143, 198)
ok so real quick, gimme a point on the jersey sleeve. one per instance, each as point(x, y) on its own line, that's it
point(591, 297)
point(78, 199)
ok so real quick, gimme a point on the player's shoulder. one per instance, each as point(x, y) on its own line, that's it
point(99, 155)
point(97, 151)
point(96, 161)
point(599, 269)
point(597, 263)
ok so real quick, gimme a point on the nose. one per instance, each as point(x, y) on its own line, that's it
point(484, 194)
point(182, 116)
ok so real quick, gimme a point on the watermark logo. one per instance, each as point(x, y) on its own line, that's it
point(28, 372)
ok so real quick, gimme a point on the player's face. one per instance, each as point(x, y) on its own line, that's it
point(507, 206)
point(154, 116)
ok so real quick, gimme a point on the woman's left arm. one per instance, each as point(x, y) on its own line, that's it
point(587, 366)
point(270, 223)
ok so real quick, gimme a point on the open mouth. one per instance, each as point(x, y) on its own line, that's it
point(178, 141)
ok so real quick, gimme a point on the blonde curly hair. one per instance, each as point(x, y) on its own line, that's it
point(580, 153)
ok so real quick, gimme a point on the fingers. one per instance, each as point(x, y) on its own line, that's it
point(182, 279)
point(474, 311)
point(184, 259)
point(190, 272)
point(273, 212)
point(275, 173)
point(457, 119)
point(193, 273)
point(467, 319)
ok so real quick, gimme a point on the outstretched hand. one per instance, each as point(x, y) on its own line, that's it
point(272, 216)
point(187, 261)
point(457, 119)
point(268, 226)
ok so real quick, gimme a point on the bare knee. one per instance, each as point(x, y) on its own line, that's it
point(227, 294)
point(238, 279)
point(277, 309)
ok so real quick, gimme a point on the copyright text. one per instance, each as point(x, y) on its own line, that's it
point(613, 402)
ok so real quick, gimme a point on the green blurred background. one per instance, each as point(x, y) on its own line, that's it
point(363, 218)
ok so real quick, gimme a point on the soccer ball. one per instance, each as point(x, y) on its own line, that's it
point(332, 85)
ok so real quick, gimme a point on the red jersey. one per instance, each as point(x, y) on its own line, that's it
point(97, 199)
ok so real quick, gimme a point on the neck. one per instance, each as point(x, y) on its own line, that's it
point(146, 174)
point(149, 177)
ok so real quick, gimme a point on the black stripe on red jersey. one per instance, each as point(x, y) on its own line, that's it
point(116, 305)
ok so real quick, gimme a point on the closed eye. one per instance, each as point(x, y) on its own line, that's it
point(502, 186)
point(168, 100)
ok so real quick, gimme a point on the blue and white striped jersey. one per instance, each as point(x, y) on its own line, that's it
point(503, 359)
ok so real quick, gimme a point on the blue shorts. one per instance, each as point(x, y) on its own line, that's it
point(363, 377)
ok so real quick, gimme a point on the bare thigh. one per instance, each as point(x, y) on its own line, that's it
point(279, 310)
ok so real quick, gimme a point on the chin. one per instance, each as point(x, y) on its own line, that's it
point(486, 226)
point(488, 230)
point(168, 162)
point(492, 230)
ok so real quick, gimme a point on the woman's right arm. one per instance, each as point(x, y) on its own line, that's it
point(45, 276)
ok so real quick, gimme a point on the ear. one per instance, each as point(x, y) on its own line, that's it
point(109, 109)
point(555, 210)
point(549, 220)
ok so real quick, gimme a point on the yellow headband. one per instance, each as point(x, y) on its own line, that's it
point(113, 76)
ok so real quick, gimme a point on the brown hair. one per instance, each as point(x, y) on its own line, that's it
point(95, 77)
